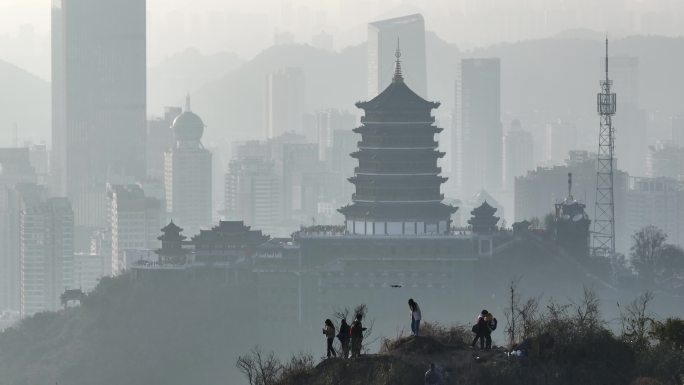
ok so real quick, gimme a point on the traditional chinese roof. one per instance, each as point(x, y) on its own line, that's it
point(397, 96)
point(484, 210)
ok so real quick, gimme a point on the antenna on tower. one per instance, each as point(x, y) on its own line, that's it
point(603, 242)
point(187, 102)
point(398, 76)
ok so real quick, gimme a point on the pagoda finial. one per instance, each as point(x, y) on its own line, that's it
point(187, 102)
point(398, 77)
point(570, 198)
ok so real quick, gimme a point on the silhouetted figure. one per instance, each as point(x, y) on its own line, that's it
point(416, 316)
point(356, 334)
point(329, 331)
point(343, 336)
point(488, 331)
point(432, 376)
point(480, 329)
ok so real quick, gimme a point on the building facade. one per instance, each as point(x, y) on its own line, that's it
point(187, 174)
point(134, 221)
point(253, 192)
point(478, 139)
point(98, 100)
point(518, 154)
point(285, 101)
point(46, 251)
point(383, 37)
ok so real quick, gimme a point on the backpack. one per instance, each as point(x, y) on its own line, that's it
point(493, 323)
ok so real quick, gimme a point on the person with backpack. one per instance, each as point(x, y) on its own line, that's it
point(329, 331)
point(416, 316)
point(356, 334)
point(491, 326)
point(343, 336)
point(432, 376)
point(480, 329)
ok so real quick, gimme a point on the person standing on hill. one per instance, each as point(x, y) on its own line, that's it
point(356, 334)
point(416, 316)
point(329, 331)
point(343, 336)
point(480, 329)
point(491, 325)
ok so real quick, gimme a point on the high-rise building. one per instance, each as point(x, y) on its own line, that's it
point(630, 121)
point(299, 160)
point(187, 175)
point(397, 181)
point(134, 222)
point(477, 162)
point(160, 139)
point(253, 192)
point(46, 250)
point(658, 202)
point(518, 154)
point(15, 169)
point(383, 37)
point(328, 121)
point(98, 100)
point(666, 160)
point(285, 101)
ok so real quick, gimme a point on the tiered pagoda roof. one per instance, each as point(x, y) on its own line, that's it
point(398, 178)
point(483, 219)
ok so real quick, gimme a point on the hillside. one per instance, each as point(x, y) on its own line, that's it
point(171, 333)
point(24, 102)
point(170, 80)
point(565, 351)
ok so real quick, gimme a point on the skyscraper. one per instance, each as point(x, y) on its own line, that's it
point(187, 175)
point(383, 36)
point(98, 99)
point(518, 154)
point(479, 136)
point(285, 101)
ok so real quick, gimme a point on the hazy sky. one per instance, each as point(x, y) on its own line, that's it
point(246, 27)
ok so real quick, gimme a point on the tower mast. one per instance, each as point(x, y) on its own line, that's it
point(603, 242)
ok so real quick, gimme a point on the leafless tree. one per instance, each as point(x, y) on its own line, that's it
point(637, 320)
point(260, 368)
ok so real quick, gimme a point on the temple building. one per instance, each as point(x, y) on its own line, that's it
point(571, 224)
point(397, 181)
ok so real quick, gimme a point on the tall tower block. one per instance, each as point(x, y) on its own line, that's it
point(603, 242)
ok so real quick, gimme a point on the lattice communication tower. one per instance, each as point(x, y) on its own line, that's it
point(603, 240)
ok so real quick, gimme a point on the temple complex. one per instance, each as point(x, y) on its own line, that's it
point(397, 181)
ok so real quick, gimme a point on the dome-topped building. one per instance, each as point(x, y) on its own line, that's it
point(187, 174)
point(188, 126)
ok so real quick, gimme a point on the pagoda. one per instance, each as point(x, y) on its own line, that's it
point(172, 251)
point(483, 220)
point(397, 180)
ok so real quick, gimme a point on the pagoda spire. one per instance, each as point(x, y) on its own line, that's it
point(187, 102)
point(398, 77)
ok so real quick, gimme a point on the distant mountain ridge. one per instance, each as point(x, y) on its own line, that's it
point(25, 102)
point(554, 77)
